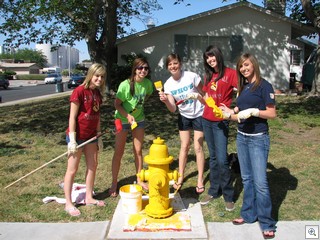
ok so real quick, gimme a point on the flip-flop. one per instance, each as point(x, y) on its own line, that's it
point(144, 186)
point(73, 211)
point(97, 203)
point(200, 190)
point(113, 192)
point(268, 234)
point(177, 185)
point(238, 221)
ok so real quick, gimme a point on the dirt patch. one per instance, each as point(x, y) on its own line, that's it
point(302, 135)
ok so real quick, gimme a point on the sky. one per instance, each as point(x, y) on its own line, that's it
point(169, 13)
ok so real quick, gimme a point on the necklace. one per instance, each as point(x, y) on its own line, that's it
point(94, 102)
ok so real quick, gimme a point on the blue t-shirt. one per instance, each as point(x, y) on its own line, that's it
point(262, 96)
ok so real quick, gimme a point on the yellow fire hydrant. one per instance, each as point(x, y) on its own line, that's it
point(158, 176)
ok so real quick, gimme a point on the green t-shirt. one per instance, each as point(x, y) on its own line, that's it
point(133, 104)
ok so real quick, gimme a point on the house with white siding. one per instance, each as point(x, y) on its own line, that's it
point(236, 28)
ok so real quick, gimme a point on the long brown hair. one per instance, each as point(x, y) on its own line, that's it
point(242, 80)
point(136, 63)
point(209, 71)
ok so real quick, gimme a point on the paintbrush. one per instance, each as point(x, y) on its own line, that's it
point(158, 85)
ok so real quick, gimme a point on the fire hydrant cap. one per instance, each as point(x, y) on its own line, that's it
point(158, 140)
point(158, 153)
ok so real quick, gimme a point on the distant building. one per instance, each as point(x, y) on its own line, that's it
point(20, 68)
point(4, 49)
point(64, 57)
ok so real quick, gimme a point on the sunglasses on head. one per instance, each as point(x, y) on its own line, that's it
point(145, 68)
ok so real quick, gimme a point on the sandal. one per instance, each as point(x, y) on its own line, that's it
point(113, 194)
point(144, 186)
point(268, 234)
point(177, 186)
point(238, 221)
point(200, 190)
point(73, 211)
point(97, 203)
point(113, 191)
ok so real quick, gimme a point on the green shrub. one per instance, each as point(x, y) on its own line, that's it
point(9, 74)
point(31, 76)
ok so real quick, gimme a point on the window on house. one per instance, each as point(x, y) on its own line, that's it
point(295, 57)
point(192, 47)
point(181, 46)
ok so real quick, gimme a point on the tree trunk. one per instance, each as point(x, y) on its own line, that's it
point(104, 50)
point(316, 81)
point(309, 11)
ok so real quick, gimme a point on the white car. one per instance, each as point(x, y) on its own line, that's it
point(53, 78)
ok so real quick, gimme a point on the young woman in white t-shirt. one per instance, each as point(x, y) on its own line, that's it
point(187, 86)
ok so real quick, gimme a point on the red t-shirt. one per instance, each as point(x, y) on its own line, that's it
point(221, 92)
point(89, 111)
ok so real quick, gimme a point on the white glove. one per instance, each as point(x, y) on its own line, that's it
point(72, 145)
point(226, 115)
point(100, 144)
point(225, 111)
point(244, 114)
point(192, 95)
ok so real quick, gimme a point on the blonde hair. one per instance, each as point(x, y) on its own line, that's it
point(96, 68)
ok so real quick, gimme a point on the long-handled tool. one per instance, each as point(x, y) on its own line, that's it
point(118, 128)
point(181, 101)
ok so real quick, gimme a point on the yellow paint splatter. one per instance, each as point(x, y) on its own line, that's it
point(141, 222)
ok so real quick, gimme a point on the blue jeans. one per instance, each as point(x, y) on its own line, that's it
point(216, 136)
point(253, 156)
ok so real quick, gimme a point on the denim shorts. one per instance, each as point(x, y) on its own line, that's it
point(189, 123)
point(80, 141)
point(127, 126)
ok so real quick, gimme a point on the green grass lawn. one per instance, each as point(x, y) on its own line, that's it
point(33, 134)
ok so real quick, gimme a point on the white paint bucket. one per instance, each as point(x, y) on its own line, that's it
point(131, 197)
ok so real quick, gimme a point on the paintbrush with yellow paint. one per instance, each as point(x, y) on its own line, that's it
point(134, 125)
point(158, 85)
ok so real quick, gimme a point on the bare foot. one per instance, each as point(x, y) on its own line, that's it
point(178, 184)
point(113, 191)
point(144, 185)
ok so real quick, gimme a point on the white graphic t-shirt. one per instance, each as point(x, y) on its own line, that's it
point(191, 108)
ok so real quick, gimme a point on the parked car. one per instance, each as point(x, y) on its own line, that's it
point(53, 78)
point(75, 80)
point(4, 82)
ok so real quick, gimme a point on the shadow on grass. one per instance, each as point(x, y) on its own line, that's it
point(299, 106)
point(105, 194)
point(280, 182)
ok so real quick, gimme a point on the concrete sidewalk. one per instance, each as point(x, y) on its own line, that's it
point(286, 230)
point(293, 230)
